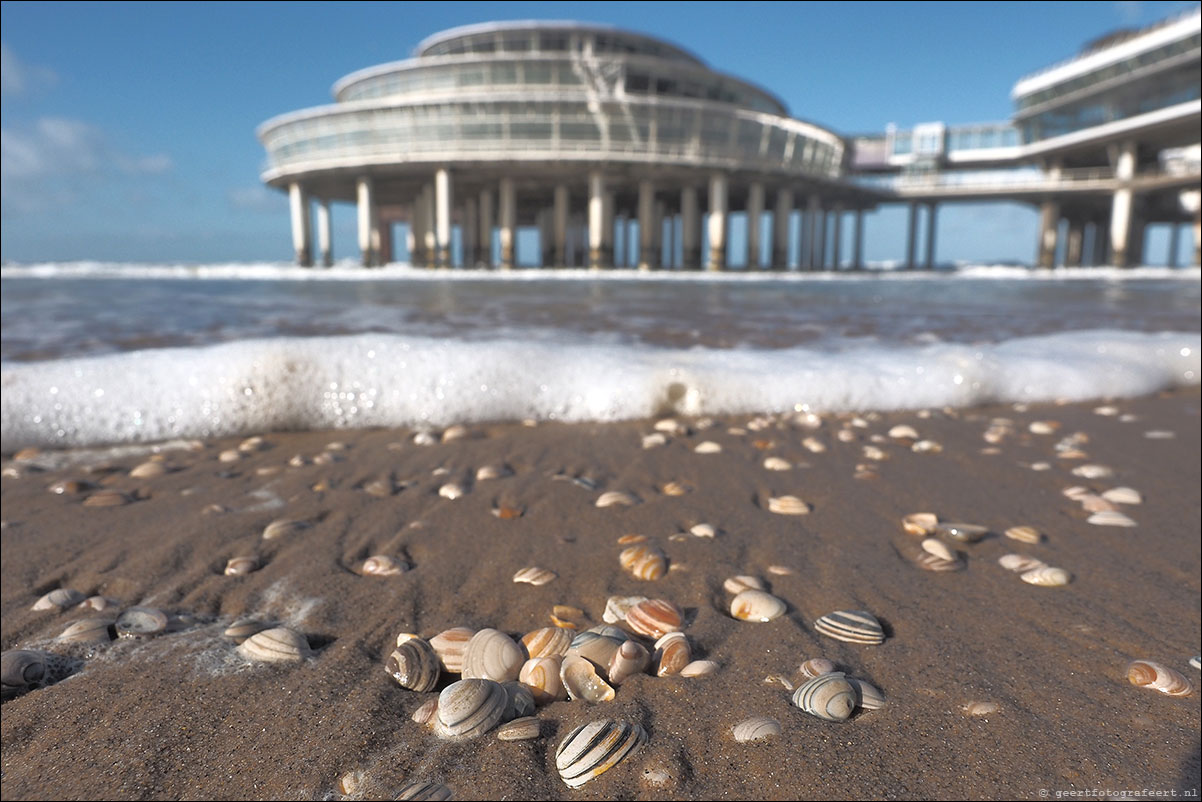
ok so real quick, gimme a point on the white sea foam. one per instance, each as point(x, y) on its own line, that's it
point(392, 380)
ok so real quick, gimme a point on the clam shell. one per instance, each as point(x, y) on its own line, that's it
point(1024, 534)
point(932, 562)
point(148, 470)
point(426, 712)
point(24, 670)
point(1110, 518)
point(964, 533)
point(675, 489)
point(424, 438)
point(449, 645)
point(106, 498)
point(830, 697)
point(141, 622)
point(927, 447)
point(616, 498)
point(1075, 492)
point(1093, 503)
point(1123, 495)
point(241, 630)
point(654, 440)
point(547, 642)
point(435, 792)
point(598, 645)
point(903, 432)
point(594, 748)
point(58, 599)
point(939, 549)
point(520, 729)
point(282, 528)
point(414, 665)
point(534, 575)
point(492, 654)
point(485, 472)
point(669, 425)
point(777, 464)
point(708, 447)
point(451, 490)
point(1148, 674)
point(703, 530)
point(816, 667)
point(980, 708)
point(454, 432)
point(519, 700)
point(279, 645)
point(756, 605)
point(655, 618)
point(1092, 471)
point(1047, 576)
point(254, 443)
point(1020, 563)
point(616, 608)
point(580, 679)
point(631, 658)
point(240, 566)
point(787, 505)
point(851, 626)
point(229, 455)
point(813, 445)
point(738, 584)
point(868, 697)
point(699, 668)
point(1196, 661)
point(756, 728)
point(875, 453)
point(672, 653)
point(91, 630)
point(383, 565)
point(644, 562)
point(470, 707)
point(541, 676)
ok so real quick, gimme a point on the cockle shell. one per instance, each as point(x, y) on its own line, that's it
point(594, 748)
point(90, 630)
point(520, 729)
point(1043, 426)
point(644, 562)
point(980, 708)
point(927, 447)
point(450, 645)
point(58, 599)
point(813, 445)
point(631, 658)
point(845, 435)
point(669, 425)
point(616, 608)
point(253, 443)
point(777, 464)
point(425, 712)
point(1123, 495)
point(580, 679)
point(383, 565)
point(756, 728)
point(1148, 674)
point(654, 439)
point(241, 630)
point(1047, 576)
point(816, 667)
point(106, 498)
point(939, 549)
point(655, 618)
point(492, 654)
point(738, 584)
point(424, 438)
point(630, 539)
point(868, 697)
point(240, 566)
point(547, 642)
point(455, 431)
point(534, 575)
point(919, 523)
point(708, 447)
point(470, 707)
point(414, 665)
point(675, 489)
point(599, 644)
point(851, 626)
point(875, 453)
point(283, 527)
point(148, 470)
point(541, 676)
point(1020, 563)
point(1094, 503)
point(699, 668)
point(903, 432)
point(830, 697)
point(1110, 518)
point(931, 562)
point(451, 490)
point(431, 792)
point(672, 653)
point(964, 533)
point(1024, 534)
point(616, 497)
point(756, 605)
point(141, 622)
point(24, 670)
point(279, 645)
point(787, 505)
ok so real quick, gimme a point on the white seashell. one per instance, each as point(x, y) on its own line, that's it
point(654, 440)
point(964, 533)
point(414, 665)
point(939, 549)
point(451, 490)
point(450, 645)
point(756, 605)
point(672, 654)
point(852, 626)
point(520, 729)
point(541, 676)
point(668, 425)
point(780, 570)
point(424, 438)
point(277, 645)
point(616, 608)
point(243, 629)
point(980, 709)
point(874, 453)
point(1075, 492)
point(738, 584)
point(655, 618)
point(631, 658)
point(425, 712)
point(148, 470)
point(757, 728)
point(492, 654)
point(1040, 466)
point(283, 527)
point(470, 707)
point(140, 622)
point(1020, 563)
point(708, 447)
point(1092, 503)
point(592, 749)
point(1157, 677)
point(1043, 427)
point(58, 599)
point(777, 464)
point(1160, 434)
point(229, 455)
point(97, 603)
point(920, 523)
point(1106, 410)
point(644, 562)
point(699, 668)
point(816, 667)
point(1196, 661)
point(813, 445)
point(580, 679)
point(787, 505)
point(1123, 495)
point(703, 530)
point(486, 472)
point(383, 565)
point(1024, 534)
point(903, 432)
point(830, 697)
point(534, 576)
point(616, 497)
point(868, 697)
point(454, 432)
point(1111, 518)
point(927, 447)
point(675, 489)
point(930, 562)
point(1092, 471)
point(91, 630)
point(1047, 577)
point(240, 566)
point(435, 792)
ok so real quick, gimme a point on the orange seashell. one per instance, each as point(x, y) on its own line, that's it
point(672, 653)
point(644, 562)
point(1147, 674)
point(655, 618)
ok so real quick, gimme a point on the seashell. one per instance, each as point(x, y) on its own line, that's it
point(492, 654)
point(1196, 661)
point(703, 530)
point(699, 668)
point(1024, 534)
point(148, 470)
point(830, 697)
point(91, 630)
point(756, 605)
point(708, 447)
point(23, 670)
point(534, 576)
point(568, 617)
point(813, 445)
point(241, 630)
point(507, 513)
point(631, 658)
point(868, 697)
point(930, 562)
point(414, 665)
point(780, 570)
point(903, 432)
point(1147, 674)
point(434, 792)
point(851, 626)
point(756, 728)
point(298, 461)
point(254, 443)
point(283, 527)
point(425, 712)
point(1043, 427)
point(738, 584)
point(1159, 434)
point(1047, 576)
point(599, 644)
point(96, 603)
point(669, 426)
point(644, 562)
point(655, 618)
point(580, 679)
point(456, 431)
point(618, 498)
point(777, 464)
point(547, 642)
point(927, 447)
point(58, 599)
point(451, 490)
point(470, 707)
point(495, 471)
point(875, 454)
point(106, 498)
point(520, 729)
point(240, 566)
point(141, 622)
point(541, 676)
point(383, 565)
point(965, 533)
point(980, 708)
point(424, 438)
point(1094, 503)
point(229, 455)
point(519, 700)
point(382, 487)
point(594, 748)
point(816, 667)
point(1020, 563)
point(939, 549)
point(787, 505)
point(450, 645)
point(67, 487)
point(350, 783)
point(1075, 492)
point(278, 645)
point(1040, 466)
point(1123, 495)
point(675, 489)
point(616, 608)
point(672, 653)
point(626, 540)
point(654, 440)
point(1111, 518)
point(1092, 471)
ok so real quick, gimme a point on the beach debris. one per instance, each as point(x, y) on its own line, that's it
point(1047, 576)
point(631, 658)
point(980, 709)
point(148, 470)
point(414, 665)
point(91, 630)
point(470, 707)
point(927, 447)
point(106, 498)
point(655, 618)
point(654, 440)
point(383, 565)
point(594, 748)
point(708, 447)
point(520, 729)
point(450, 645)
point(1123, 495)
point(493, 471)
point(1110, 518)
point(240, 566)
point(703, 530)
point(757, 605)
point(451, 490)
point(534, 575)
point(830, 697)
point(672, 653)
point(644, 562)
point(282, 528)
point(581, 680)
point(58, 599)
point(1024, 534)
point(813, 445)
point(616, 498)
point(491, 654)
point(787, 505)
point(1020, 563)
point(141, 622)
point(777, 464)
point(24, 670)
point(244, 628)
point(920, 524)
point(1092, 471)
point(756, 728)
point(675, 489)
point(542, 676)
point(963, 533)
point(1158, 677)
point(277, 645)
point(699, 668)
point(851, 626)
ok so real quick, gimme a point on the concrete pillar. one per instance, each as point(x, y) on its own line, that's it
point(1135, 246)
point(755, 211)
point(419, 224)
point(508, 223)
point(546, 239)
point(716, 225)
point(690, 229)
point(932, 219)
point(647, 258)
point(837, 245)
point(442, 216)
point(429, 229)
point(596, 209)
point(809, 246)
point(670, 242)
point(384, 238)
point(1197, 238)
point(1049, 230)
point(657, 234)
point(607, 228)
point(469, 233)
point(1075, 245)
point(1121, 206)
point(780, 228)
point(857, 248)
point(560, 213)
point(484, 248)
point(820, 240)
point(366, 219)
point(1101, 239)
point(912, 236)
point(1174, 236)
point(298, 202)
point(325, 241)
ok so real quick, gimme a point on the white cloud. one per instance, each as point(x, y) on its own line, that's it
point(18, 78)
point(257, 198)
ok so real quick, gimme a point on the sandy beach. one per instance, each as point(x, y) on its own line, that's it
point(184, 715)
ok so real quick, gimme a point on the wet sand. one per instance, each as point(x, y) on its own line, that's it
point(183, 715)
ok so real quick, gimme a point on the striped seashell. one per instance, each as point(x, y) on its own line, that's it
point(106, 498)
point(655, 618)
point(939, 549)
point(1020, 563)
point(426, 712)
point(777, 464)
point(520, 729)
point(616, 608)
point(520, 700)
point(851, 626)
point(451, 490)
point(547, 642)
point(1123, 495)
point(279, 645)
point(756, 728)
point(1047, 576)
point(383, 565)
point(241, 630)
point(816, 667)
point(672, 653)
point(738, 584)
point(627, 540)
point(450, 645)
point(830, 697)
point(599, 644)
point(148, 470)
point(91, 630)
point(708, 447)
point(496, 471)
point(541, 676)
point(787, 505)
point(703, 530)
point(964, 533)
point(283, 527)
point(930, 562)
point(644, 562)
point(240, 566)
point(756, 605)
point(433, 792)
point(868, 697)
point(534, 575)
point(1111, 518)
point(594, 748)
point(654, 440)
point(699, 668)
point(492, 654)
point(616, 498)
point(141, 622)
point(23, 670)
point(470, 707)
point(414, 665)
point(675, 489)
point(1092, 471)
point(581, 681)
point(1024, 534)
point(58, 599)
point(1157, 677)
point(631, 658)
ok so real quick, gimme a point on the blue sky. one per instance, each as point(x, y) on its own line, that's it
point(128, 128)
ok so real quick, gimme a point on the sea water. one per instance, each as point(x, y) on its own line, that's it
point(115, 353)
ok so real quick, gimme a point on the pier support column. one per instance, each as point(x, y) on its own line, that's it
point(596, 215)
point(419, 224)
point(325, 244)
point(780, 228)
point(384, 237)
point(508, 223)
point(690, 229)
point(716, 225)
point(607, 229)
point(659, 211)
point(366, 208)
point(442, 217)
point(560, 213)
point(857, 248)
point(1074, 246)
point(809, 246)
point(484, 247)
point(837, 245)
point(912, 236)
point(1197, 238)
point(1174, 240)
point(468, 234)
point(1135, 246)
point(647, 238)
point(932, 219)
point(1121, 207)
point(429, 232)
point(820, 221)
point(755, 211)
point(298, 202)
point(1049, 231)
point(546, 241)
